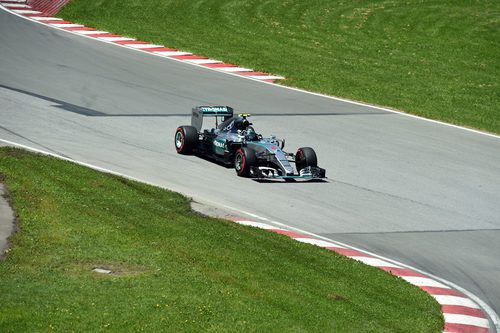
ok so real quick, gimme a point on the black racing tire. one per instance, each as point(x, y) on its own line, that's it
point(305, 157)
point(186, 139)
point(244, 159)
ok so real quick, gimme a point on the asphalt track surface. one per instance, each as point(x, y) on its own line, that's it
point(6, 220)
point(419, 192)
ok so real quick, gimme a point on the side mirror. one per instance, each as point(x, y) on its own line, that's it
point(282, 143)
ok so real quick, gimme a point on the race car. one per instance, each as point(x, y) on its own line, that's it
point(234, 142)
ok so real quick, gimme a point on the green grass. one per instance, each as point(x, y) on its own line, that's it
point(436, 59)
point(174, 270)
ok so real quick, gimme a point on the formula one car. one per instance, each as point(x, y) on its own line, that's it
point(235, 142)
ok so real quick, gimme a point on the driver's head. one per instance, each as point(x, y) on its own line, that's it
point(241, 123)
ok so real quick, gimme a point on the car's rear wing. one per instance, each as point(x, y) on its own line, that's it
point(209, 111)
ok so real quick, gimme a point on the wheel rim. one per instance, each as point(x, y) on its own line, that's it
point(238, 162)
point(179, 140)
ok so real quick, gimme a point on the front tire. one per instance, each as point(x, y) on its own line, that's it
point(305, 157)
point(244, 160)
point(186, 139)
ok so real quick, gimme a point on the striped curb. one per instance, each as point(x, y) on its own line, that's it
point(42, 11)
point(48, 7)
point(461, 314)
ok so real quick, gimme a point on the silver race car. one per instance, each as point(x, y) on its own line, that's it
point(234, 142)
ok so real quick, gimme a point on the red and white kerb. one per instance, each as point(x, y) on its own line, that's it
point(461, 314)
point(42, 11)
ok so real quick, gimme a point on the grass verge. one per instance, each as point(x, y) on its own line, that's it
point(436, 59)
point(174, 270)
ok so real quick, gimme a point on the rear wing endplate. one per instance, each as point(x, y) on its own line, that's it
point(209, 111)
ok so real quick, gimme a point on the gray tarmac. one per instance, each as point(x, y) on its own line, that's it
point(6, 220)
point(415, 191)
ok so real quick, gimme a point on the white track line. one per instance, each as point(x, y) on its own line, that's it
point(203, 61)
point(234, 69)
point(25, 11)
point(424, 282)
point(15, 5)
point(258, 225)
point(171, 53)
point(266, 77)
point(143, 46)
point(375, 262)
point(115, 39)
point(455, 300)
point(466, 320)
point(89, 32)
point(66, 25)
point(317, 242)
point(46, 18)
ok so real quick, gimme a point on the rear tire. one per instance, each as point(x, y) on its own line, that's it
point(244, 160)
point(305, 157)
point(186, 139)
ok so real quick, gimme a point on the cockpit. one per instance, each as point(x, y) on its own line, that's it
point(240, 126)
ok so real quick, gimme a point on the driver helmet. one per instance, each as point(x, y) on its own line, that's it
point(241, 123)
